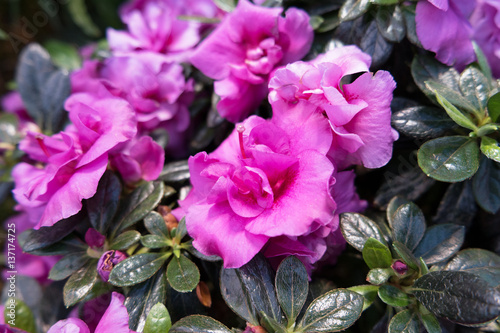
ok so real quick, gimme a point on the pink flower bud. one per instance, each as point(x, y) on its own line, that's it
point(107, 261)
point(94, 239)
point(400, 267)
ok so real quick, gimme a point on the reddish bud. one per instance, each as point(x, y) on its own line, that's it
point(107, 261)
point(94, 239)
point(400, 267)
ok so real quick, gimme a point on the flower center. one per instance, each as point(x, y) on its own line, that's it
point(240, 129)
point(262, 59)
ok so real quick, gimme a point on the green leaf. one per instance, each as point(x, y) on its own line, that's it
point(411, 28)
point(67, 245)
point(393, 206)
point(64, 55)
point(181, 230)
point(357, 228)
point(426, 68)
point(482, 61)
point(368, 292)
point(125, 240)
point(139, 204)
point(175, 172)
point(430, 322)
point(490, 148)
point(137, 269)
point(352, 9)
point(405, 321)
point(480, 262)
point(392, 296)
point(80, 283)
point(182, 274)
point(440, 242)
point(332, 312)
point(373, 43)
point(406, 255)
point(457, 205)
point(449, 159)
point(376, 254)
point(379, 276)
point(68, 265)
point(81, 17)
point(158, 320)
point(17, 314)
point(385, 2)
point(422, 122)
point(458, 296)
point(32, 240)
point(271, 325)
point(226, 5)
point(494, 107)
point(142, 297)
point(156, 225)
point(101, 208)
point(390, 21)
point(292, 286)
point(486, 185)
point(237, 296)
point(199, 324)
point(475, 87)
point(408, 225)
point(154, 241)
point(443, 94)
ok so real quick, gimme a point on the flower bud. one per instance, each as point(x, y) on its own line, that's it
point(94, 239)
point(107, 261)
point(254, 329)
point(400, 267)
point(169, 218)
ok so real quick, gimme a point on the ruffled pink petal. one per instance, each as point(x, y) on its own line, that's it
point(115, 319)
point(70, 325)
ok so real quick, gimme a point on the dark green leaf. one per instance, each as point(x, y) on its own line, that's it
point(199, 324)
point(458, 296)
point(156, 225)
point(482, 62)
point(480, 262)
point(315, 21)
point(490, 148)
point(425, 68)
point(292, 286)
point(458, 205)
point(237, 296)
point(368, 292)
point(271, 325)
point(357, 228)
point(199, 255)
point(352, 9)
point(181, 230)
point(136, 269)
point(18, 313)
point(102, 207)
point(440, 242)
point(408, 225)
point(390, 22)
point(64, 55)
point(449, 159)
point(374, 43)
point(393, 296)
point(376, 254)
point(475, 87)
point(494, 107)
point(406, 255)
point(125, 240)
point(333, 311)
point(430, 322)
point(67, 245)
point(81, 17)
point(379, 276)
point(142, 297)
point(486, 186)
point(411, 29)
point(393, 206)
point(422, 122)
point(385, 2)
point(154, 241)
point(175, 172)
point(32, 240)
point(67, 265)
point(139, 203)
point(158, 320)
point(80, 283)
point(182, 274)
point(405, 321)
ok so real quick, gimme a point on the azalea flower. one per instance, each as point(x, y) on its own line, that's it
point(114, 320)
point(245, 48)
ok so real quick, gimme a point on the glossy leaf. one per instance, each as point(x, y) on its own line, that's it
point(181, 230)
point(199, 324)
point(80, 283)
point(475, 87)
point(406, 255)
point(490, 148)
point(411, 28)
point(292, 286)
point(369, 293)
point(101, 208)
point(357, 228)
point(390, 21)
point(457, 205)
point(237, 296)
point(143, 297)
point(125, 240)
point(482, 61)
point(32, 240)
point(425, 68)
point(156, 225)
point(379, 276)
point(136, 269)
point(486, 186)
point(393, 296)
point(139, 203)
point(175, 172)
point(480, 262)
point(154, 241)
point(374, 43)
point(22, 316)
point(449, 159)
point(494, 107)
point(393, 206)
point(333, 311)
point(430, 323)
point(408, 225)
point(68, 265)
point(352, 9)
point(458, 296)
point(440, 242)
point(422, 122)
point(182, 274)
point(158, 320)
point(376, 254)
point(405, 321)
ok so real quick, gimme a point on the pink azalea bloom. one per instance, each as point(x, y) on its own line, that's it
point(245, 48)
point(75, 159)
point(114, 320)
point(153, 25)
point(358, 113)
point(443, 28)
point(257, 186)
point(485, 22)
